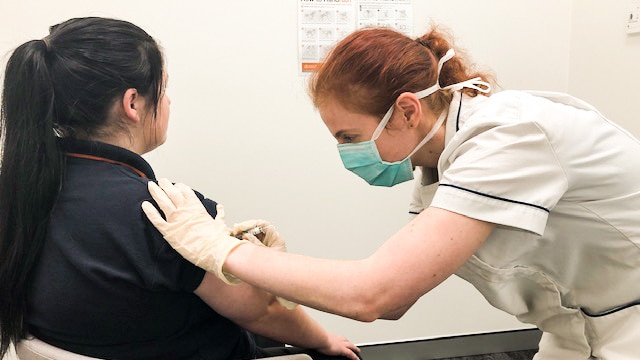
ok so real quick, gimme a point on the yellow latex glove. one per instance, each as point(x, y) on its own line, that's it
point(269, 237)
point(189, 229)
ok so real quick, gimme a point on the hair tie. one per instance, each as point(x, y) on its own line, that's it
point(46, 42)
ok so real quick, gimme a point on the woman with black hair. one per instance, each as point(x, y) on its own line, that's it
point(81, 268)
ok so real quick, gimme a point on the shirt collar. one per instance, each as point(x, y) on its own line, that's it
point(456, 117)
point(461, 108)
point(98, 151)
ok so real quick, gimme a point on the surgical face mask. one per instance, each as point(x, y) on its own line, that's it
point(363, 158)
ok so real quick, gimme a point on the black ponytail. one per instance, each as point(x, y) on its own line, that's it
point(63, 86)
point(30, 176)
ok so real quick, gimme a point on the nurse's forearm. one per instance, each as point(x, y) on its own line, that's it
point(346, 288)
point(412, 262)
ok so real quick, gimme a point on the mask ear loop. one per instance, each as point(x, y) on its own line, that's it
point(428, 91)
point(382, 124)
point(431, 133)
point(471, 84)
point(420, 94)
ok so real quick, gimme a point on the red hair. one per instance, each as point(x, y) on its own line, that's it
point(371, 67)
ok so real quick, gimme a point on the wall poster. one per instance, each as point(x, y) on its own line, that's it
point(322, 23)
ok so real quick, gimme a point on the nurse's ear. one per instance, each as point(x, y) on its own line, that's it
point(411, 109)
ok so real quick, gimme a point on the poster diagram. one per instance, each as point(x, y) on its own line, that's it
point(394, 14)
point(322, 23)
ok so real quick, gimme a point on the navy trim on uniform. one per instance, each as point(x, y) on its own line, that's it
point(611, 311)
point(496, 197)
point(458, 117)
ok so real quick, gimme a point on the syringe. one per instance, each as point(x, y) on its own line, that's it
point(255, 231)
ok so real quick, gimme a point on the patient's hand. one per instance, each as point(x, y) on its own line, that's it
point(340, 346)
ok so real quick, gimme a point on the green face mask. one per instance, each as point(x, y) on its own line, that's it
point(364, 160)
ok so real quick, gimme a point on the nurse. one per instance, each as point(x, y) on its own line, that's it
point(532, 197)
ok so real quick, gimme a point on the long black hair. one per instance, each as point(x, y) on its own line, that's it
point(64, 85)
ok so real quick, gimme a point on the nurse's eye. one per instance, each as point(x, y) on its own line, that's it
point(346, 139)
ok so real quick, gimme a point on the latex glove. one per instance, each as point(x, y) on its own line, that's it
point(269, 238)
point(189, 229)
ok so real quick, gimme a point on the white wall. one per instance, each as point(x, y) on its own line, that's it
point(605, 60)
point(244, 132)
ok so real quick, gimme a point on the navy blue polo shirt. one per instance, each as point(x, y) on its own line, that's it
point(107, 284)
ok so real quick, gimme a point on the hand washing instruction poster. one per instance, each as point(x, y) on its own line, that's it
point(322, 23)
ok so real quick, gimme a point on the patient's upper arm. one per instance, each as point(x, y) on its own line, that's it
point(241, 303)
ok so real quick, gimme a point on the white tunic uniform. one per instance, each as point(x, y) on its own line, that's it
point(562, 183)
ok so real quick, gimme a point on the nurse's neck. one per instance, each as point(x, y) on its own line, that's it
point(429, 154)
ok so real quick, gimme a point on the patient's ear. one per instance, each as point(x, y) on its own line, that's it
point(132, 105)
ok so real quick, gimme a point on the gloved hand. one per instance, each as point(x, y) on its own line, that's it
point(189, 229)
point(269, 237)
